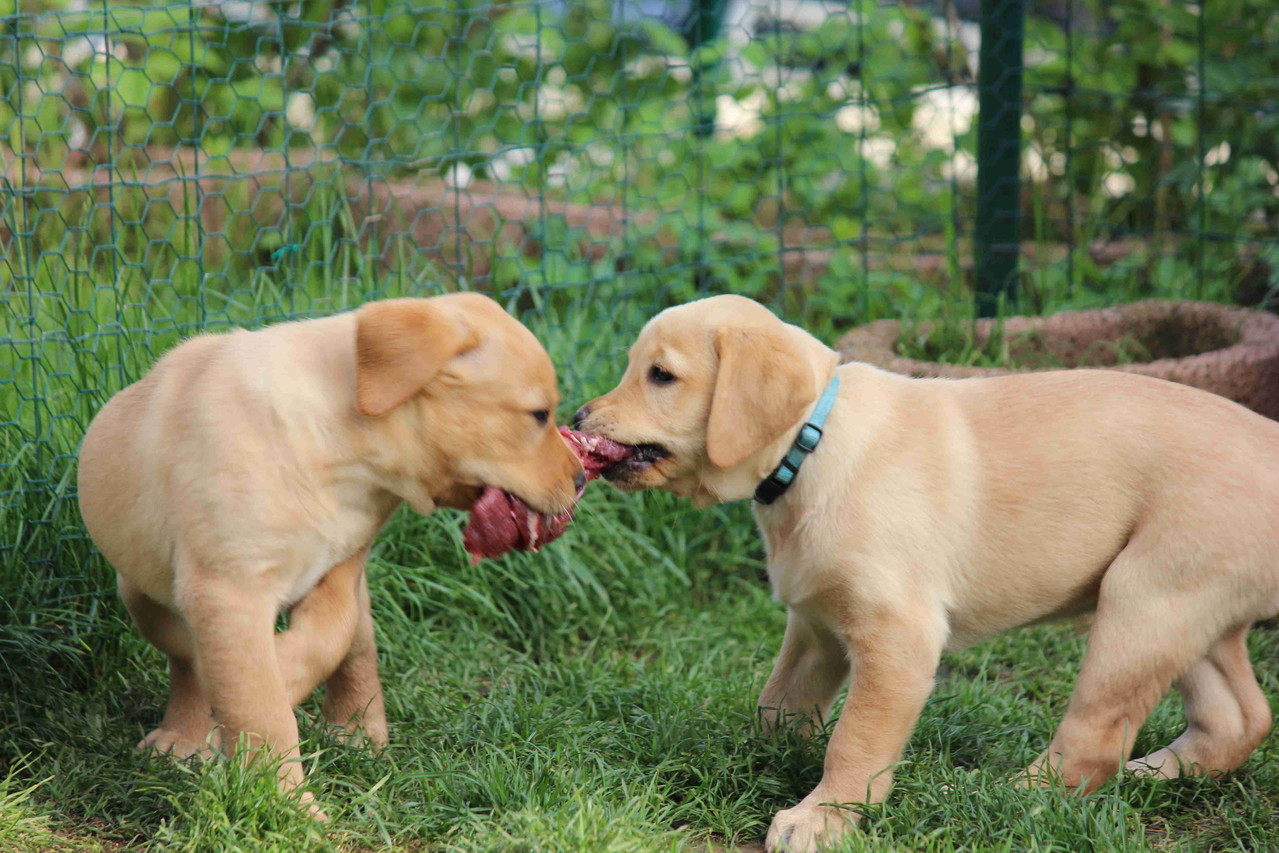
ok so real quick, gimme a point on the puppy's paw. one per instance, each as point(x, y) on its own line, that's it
point(1043, 772)
point(1163, 764)
point(775, 721)
point(807, 828)
point(370, 736)
point(180, 745)
point(1054, 770)
point(313, 810)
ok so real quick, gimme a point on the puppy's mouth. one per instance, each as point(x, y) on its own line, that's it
point(640, 459)
point(596, 452)
point(459, 496)
point(503, 521)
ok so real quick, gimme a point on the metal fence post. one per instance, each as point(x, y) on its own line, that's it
point(701, 26)
point(703, 21)
point(997, 239)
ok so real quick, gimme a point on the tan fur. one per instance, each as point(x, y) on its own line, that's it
point(936, 513)
point(753, 376)
point(400, 345)
point(247, 474)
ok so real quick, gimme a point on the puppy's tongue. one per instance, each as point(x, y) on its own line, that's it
point(501, 522)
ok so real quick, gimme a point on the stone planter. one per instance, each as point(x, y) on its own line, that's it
point(1230, 351)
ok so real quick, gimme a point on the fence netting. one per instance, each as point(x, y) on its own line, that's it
point(172, 168)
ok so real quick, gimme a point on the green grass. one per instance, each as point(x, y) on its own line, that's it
point(598, 696)
point(955, 341)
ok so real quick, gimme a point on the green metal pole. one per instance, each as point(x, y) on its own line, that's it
point(702, 26)
point(997, 239)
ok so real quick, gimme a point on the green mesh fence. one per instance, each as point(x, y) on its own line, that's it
point(170, 168)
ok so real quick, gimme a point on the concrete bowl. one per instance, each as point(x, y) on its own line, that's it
point(1229, 351)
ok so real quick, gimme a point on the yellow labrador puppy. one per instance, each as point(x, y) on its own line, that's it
point(247, 474)
point(932, 514)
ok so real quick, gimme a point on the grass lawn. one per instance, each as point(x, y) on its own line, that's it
point(598, 696)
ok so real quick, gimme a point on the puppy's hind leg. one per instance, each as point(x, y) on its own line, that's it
point(188, 720)
point(1227, 715)
point(1142, 638)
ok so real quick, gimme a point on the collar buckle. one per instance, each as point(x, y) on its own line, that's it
point(785, 473)
point(810, 435)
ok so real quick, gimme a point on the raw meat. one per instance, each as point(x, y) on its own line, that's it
point(501, 522)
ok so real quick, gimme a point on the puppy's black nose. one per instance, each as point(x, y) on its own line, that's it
point(581, 415)
point(579, 480)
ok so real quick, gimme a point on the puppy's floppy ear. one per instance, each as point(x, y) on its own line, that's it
point(400, 345)
point(762, 387)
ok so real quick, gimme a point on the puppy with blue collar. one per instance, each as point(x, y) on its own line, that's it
point(905, 517)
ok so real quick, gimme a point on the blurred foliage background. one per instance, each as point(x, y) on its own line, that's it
point(170, 168)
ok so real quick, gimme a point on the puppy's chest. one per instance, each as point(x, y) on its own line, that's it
point(317, 551)
point(796, 566)
point(312, 564)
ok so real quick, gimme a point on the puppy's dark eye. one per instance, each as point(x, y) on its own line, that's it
point(658, 376)
point(541, 416)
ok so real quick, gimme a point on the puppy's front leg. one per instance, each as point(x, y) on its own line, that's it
point(330, 639)
point(353, 694)
point(321, 628)
point(894, 654)
point(810, 668)
point(232, 625)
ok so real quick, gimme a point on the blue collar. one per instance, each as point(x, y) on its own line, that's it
point(776, 483)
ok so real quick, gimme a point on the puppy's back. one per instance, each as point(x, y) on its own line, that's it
point(1165, 443)
point(121, 475)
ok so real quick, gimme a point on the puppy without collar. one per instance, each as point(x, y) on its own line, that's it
point(936, 513)
point(248, 473)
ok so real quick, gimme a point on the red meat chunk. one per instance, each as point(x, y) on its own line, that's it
point(501, 522)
